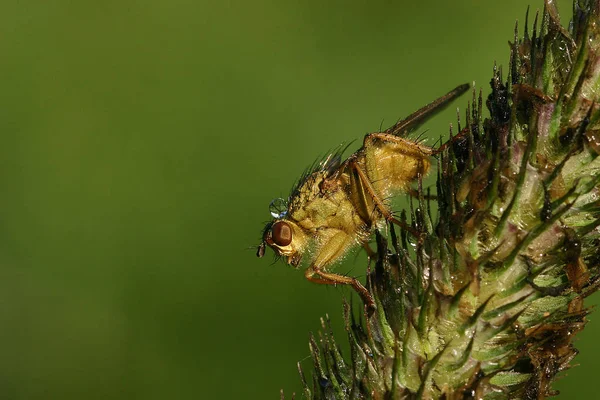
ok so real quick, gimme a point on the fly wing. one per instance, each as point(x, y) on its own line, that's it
point(414, 120)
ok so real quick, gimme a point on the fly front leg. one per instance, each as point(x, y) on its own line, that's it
point(336, 245)
point(316, 275)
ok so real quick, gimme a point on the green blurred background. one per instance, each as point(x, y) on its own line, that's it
point(141, 145)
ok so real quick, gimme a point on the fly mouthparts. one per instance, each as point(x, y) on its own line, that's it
point(260, 250)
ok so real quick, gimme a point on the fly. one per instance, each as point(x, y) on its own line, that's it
point(338, 204)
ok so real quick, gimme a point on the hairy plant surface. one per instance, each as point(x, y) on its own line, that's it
point(487, 305)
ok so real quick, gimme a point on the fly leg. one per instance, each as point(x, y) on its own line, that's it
point(453, 139)
point(415, 194)
point(404, 146)
point(371, 255)
point(411, 148)
point(369, 250)
point(335, 245)
point(316, 275)
point(379, 204)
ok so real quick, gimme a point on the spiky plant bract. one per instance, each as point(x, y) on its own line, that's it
point(487, 305)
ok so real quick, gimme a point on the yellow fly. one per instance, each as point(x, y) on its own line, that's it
point(338, 205)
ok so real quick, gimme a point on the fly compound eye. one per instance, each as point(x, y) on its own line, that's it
point(281, 233)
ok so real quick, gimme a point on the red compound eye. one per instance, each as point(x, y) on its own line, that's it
point(281, 232)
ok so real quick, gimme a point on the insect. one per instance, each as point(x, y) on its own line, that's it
point(337, 205)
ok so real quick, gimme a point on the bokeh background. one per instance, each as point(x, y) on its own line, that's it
point(141, 143)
